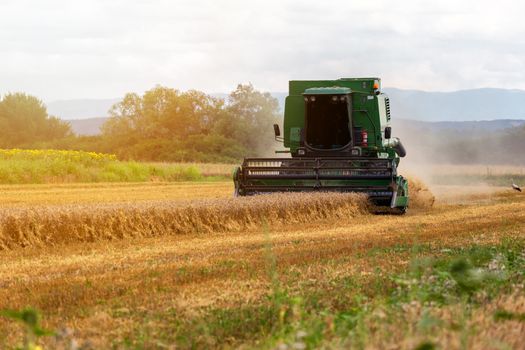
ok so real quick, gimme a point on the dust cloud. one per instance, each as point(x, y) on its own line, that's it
point(457, 165)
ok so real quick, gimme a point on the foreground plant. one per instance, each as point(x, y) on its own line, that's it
point(30, 318)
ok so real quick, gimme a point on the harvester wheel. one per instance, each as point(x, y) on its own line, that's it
point(399, 211)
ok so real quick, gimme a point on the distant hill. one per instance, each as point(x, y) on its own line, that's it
point(482, 109)
point(91, 126)
point(461, 126)
point(464, 105)
point(86, 127)
point(81, 108)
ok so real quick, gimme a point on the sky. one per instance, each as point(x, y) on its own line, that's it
point(67, 49)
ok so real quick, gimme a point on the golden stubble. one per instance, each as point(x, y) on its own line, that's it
point(65, 224)
point(107, 287)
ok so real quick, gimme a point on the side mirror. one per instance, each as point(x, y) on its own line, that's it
point(276, 130)
point(388, 132)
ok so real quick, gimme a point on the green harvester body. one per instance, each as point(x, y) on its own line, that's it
point(338, 136)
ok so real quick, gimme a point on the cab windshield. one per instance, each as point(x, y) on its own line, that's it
point(327, 121)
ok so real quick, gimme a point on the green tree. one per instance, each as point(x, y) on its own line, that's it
point(166, 124)
point(24, 120)
point(251, 114)
point(163, 113)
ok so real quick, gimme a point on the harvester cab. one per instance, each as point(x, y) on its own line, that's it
point(338, 135)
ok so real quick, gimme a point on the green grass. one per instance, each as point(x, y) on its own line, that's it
point(353, 308)
point(50, 166)
point(350, 311)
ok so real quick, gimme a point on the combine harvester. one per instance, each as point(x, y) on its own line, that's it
point(339, 136)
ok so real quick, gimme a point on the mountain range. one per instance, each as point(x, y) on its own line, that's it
point(463, 105)
point(486, 108)
point(91, 126)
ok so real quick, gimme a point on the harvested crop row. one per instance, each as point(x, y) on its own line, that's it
point(88, 223)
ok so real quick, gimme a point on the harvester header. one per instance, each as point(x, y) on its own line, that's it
point(339, 138)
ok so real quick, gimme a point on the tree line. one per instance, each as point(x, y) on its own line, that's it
point(163, 124)
point(166, 124)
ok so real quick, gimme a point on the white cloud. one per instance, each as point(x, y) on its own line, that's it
point(59, 49)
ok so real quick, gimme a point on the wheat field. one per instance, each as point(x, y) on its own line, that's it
point(89, 223)
point(160, 265)
point(46, 215)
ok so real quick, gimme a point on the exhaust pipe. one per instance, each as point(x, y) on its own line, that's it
point(395, 143)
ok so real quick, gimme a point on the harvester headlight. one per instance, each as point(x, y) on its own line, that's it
point(334, 98)
point(312, 98)
point(301, 151)
point(343, 98)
